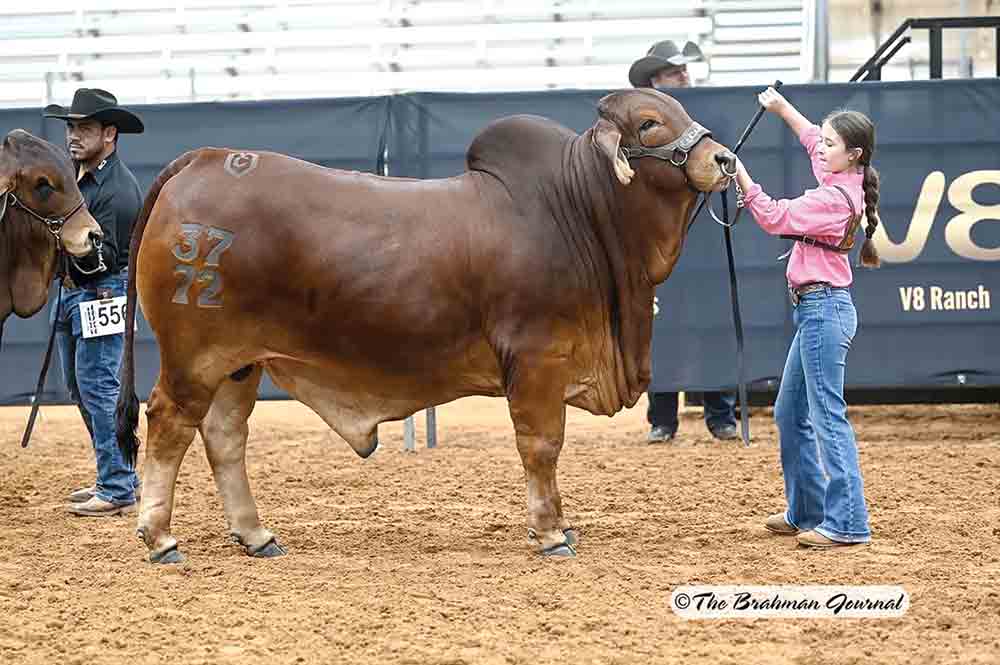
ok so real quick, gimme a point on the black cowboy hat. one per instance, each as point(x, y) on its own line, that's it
point(100, 105)
point(660, 55)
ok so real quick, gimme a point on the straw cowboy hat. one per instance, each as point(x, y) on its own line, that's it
point(97, 104)
point(662, 54)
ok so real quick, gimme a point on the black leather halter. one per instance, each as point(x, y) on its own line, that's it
point(53, 224)
point(668, 152)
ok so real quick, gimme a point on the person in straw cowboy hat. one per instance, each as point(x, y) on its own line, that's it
point(90, 364)
point(665, 67)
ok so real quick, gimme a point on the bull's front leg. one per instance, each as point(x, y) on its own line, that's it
point(535, 395)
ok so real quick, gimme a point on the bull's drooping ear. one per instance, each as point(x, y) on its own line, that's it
point(608, 137)
point(8, 166)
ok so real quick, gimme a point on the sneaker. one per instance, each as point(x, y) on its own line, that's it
point(816, 539)
point(777, 524)
point(659, 434)
point(97, 507)
point(83, 494)
point(724, 432)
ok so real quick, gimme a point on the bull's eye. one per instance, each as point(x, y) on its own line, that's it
point(44, 188)
point(649, 124)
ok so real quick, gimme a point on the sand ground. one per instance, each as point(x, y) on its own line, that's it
point(423, 558)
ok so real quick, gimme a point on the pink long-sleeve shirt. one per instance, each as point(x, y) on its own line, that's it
point(821, 213)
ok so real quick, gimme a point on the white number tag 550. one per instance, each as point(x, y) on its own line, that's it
point(103, 317)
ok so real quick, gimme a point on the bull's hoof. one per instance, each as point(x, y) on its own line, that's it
point(268, 550)
point(563, 550)
point(571, 537)
point(169, 556)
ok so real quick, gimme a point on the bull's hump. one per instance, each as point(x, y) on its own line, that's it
point(518, 146)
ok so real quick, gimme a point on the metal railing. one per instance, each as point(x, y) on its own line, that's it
point(872, 69)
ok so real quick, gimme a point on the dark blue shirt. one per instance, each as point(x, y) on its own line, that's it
point(115, 200)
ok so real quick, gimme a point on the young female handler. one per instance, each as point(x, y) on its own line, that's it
point(819, 457)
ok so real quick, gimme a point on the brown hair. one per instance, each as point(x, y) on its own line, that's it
point(858, 131)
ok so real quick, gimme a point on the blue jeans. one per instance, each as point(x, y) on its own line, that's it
point(819, 456)
point(90, 370)
point(720, 410)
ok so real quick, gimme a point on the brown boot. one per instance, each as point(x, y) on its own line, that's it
point(776, 523)
point(97, 507)
point(83, 494)
point(816, 539)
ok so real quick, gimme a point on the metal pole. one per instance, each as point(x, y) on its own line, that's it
point(965, 67)
point(410, 435)
point(821, 40)
point(431, 428)
point(934, 35)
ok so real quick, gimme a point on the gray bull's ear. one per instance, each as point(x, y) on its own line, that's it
point(607, 138)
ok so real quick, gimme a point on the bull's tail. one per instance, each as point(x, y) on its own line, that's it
point(127, 412)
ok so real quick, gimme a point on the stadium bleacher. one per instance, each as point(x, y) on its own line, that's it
point(198, 50)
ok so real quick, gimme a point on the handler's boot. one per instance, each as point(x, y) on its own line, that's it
point(83, 494)
point(816, 539)
point(98, 507)
point(777, 524)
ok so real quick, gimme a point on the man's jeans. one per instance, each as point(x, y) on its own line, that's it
point(819, 456)
point(720, 410)
point(90, 370)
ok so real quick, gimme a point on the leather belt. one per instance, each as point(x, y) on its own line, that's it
point(796, 292)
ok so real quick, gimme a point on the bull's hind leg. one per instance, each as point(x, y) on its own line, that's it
point(171, 430)
point(224, 431)
point(539, 415)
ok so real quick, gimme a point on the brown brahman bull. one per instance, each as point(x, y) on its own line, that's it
point(41, 210)
point(530, 276)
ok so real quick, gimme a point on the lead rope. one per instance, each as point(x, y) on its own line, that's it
point(733, 286)
point(39, 388)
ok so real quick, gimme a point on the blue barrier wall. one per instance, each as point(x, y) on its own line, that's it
point(940, 204)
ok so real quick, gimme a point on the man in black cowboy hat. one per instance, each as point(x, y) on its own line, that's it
point(91, 355)
point(665, 67)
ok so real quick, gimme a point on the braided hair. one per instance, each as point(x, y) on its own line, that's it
point(858, 131)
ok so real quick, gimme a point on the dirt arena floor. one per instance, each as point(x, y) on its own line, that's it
point(423, 558)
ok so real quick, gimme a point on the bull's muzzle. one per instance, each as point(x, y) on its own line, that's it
point(81, 234)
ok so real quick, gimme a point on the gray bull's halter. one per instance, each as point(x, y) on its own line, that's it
point(683, 144)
